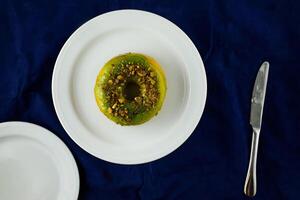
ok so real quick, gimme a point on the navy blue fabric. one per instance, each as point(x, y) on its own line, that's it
point(233, 37)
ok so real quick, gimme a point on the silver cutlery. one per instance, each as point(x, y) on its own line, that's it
point(257, 105)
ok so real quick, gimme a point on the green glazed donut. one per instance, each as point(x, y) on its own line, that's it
point(130, 89)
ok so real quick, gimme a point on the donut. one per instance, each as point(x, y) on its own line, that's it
point(130, 89)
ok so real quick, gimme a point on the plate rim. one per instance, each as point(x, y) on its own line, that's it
point(44, 138)
point(120, 160)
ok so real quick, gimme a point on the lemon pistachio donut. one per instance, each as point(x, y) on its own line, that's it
point(130, 89)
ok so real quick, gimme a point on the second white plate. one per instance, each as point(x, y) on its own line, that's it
point(109, 35)
point(35, 165)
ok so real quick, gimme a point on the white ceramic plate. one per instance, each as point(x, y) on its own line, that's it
point(109, 35)
point(35, 164)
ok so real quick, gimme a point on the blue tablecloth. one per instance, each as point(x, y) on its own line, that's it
point(233, 37)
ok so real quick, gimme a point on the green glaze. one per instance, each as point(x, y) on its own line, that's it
point(137, 113)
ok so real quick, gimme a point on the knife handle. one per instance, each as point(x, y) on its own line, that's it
point(250, 183)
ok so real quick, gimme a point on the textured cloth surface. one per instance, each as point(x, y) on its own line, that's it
point(233, 38)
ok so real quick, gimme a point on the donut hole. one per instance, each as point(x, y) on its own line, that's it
point(131, 90)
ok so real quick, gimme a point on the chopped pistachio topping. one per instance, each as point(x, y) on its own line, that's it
point(119, 105)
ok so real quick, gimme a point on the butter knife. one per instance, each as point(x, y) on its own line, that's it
point(257, 105)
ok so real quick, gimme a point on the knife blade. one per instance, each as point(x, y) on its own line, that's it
point(258, 96)
point(256, 113)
